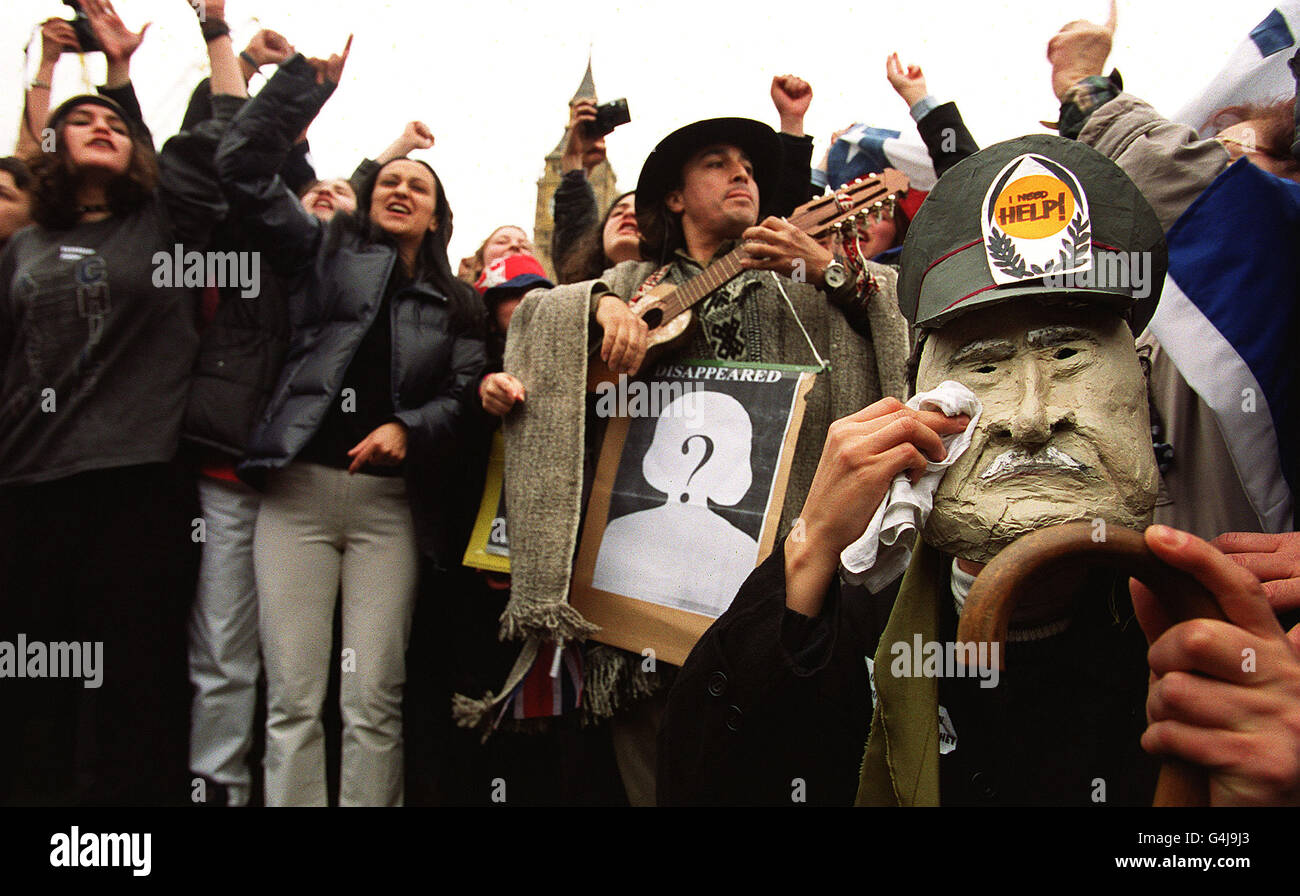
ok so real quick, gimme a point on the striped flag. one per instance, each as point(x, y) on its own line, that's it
point(1255, 73)
point(1229, 317)
point(550, 688)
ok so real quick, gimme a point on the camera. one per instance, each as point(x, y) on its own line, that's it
point(608, 116)
point(81, 25)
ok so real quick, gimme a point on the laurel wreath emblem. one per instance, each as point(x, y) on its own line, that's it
point(1074, 250)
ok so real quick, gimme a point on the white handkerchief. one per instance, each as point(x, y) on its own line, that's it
point(884, 550)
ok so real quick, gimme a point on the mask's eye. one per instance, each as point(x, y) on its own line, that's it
point(1063, 353)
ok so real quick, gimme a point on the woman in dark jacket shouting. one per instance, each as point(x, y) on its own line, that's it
point(386, 345)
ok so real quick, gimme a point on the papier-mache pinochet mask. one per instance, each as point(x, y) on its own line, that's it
point(998, 269)
point(1036, 221)
point(1064, 436)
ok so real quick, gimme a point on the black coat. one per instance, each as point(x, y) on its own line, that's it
point(774, 708)
point(946, 137)
point(771, 700)
point(340, 276)
point(243, 346)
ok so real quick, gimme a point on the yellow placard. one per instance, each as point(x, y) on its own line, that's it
point(488, 548)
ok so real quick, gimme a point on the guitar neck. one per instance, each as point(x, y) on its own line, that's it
point(715, 275)
point(816, 218)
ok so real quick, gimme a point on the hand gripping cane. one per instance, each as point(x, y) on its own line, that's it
point(1030, 562)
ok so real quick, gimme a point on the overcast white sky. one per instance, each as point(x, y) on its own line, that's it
point(493, 78)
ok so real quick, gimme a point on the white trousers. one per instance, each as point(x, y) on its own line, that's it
point(223, 648)
point(320, 529)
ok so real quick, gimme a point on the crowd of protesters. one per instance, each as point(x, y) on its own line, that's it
point(256, 493)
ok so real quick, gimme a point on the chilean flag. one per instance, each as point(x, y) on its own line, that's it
point(863, 150)
point(1229, 317)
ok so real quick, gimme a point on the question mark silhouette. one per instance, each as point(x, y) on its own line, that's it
point(708, 452)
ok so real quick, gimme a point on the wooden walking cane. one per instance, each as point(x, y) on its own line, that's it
point(1030, 561)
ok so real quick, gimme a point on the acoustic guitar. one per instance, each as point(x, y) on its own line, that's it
point(666, 309)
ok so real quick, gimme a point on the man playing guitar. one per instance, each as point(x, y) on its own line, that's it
point(788, 301)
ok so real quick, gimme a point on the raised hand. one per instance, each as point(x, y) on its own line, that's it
point(57, 37)
point(1079, 50)
point(269, 48)
point(116, 40)
point(417, 136)
point(209, 10)
point(331, 69)
point(582, 150)
point(908, 82)
point(1223, 694)
point(791, 96)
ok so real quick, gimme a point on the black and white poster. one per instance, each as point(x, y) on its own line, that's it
point(689, 488)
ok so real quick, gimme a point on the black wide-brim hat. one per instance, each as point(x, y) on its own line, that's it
point(946, 268)
point(662, 171)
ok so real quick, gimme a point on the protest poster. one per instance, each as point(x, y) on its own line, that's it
point(687, 498)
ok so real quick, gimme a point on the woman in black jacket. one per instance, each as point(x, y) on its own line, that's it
point(386, 345)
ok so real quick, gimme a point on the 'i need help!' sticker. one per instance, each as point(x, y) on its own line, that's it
point(1035, 221)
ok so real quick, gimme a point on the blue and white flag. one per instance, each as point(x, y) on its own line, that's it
point(1255, 73)
point(1229, 318)
point(863, 150)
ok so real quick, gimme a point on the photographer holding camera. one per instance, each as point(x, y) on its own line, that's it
point(96, 29)
point(579, 249)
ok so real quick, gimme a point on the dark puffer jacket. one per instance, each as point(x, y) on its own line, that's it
point(340, 277)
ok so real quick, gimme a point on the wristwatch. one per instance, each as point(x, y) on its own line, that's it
point(838, 283)
point(835, 276)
